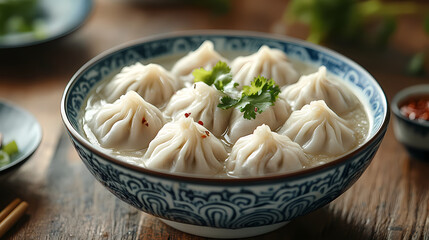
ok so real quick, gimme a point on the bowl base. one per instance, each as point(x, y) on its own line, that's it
point(212, 232)
point(417, 153)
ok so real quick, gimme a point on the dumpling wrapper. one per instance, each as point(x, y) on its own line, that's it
point(267, 62)
point(129, 123)
point(184, 146)
point(155, 84)
point(274, 116)
point(204, 57)
point(319, 130)
point(317, 86)
point(200, 100)
point(265, 152)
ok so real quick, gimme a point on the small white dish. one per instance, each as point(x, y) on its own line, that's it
point(19, 125)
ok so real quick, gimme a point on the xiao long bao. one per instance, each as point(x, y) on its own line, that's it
point(168, 120)
point(155, 84)
point(129, 123)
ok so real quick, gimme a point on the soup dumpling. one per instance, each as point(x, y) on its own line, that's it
point(129, 123)
point(267, 62)
point(274, 117)
point(265, 152)
point(155, 84)
point(319, 130)
point(200, 101)
point(204, 57)
point(184, 146)
point(317, 86)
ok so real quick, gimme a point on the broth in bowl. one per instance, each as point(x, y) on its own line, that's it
point(160, 115)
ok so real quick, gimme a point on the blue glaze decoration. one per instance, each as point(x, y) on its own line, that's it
point(225, 204)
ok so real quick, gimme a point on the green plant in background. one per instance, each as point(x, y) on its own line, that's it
point(417, 63)
point(346, 21)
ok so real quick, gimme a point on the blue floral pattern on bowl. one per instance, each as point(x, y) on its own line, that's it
point(225, 203)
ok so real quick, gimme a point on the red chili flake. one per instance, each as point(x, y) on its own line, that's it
point(203, 136)
point(207, 133)
point(145, 122)
point(416, 108)
point(187, 115)
point(256, 109)
point(201, 123)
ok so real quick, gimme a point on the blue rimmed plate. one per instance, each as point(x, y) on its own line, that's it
point(57, 18)
point(19, 125)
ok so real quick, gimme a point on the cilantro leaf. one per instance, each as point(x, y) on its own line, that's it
point(202, 75)
point(227, 102)
point(220, 75)
point(255, 98)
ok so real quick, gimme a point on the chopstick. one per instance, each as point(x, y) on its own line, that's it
point(11, 214)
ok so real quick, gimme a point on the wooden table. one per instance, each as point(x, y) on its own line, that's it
point(390, 200)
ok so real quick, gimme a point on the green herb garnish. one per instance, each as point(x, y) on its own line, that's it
point(4, 158)
point(6, 151)
point(10, 148)
point(253, 99)
point(220, 76)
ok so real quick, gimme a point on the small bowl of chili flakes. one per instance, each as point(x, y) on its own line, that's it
point(410, 107)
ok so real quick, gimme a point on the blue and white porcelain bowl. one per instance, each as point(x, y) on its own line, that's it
point(229, 208)
point(413, 134)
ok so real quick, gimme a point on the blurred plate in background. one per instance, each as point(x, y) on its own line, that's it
point(31, 22)
point(19, 125)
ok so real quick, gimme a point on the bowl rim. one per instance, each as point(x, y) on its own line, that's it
point(414, 90)
point(197, 178)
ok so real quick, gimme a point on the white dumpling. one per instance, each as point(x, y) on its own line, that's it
point(184, 146)
point(267, 62)
point(200, 100)
point(129, 123)
point(317, 86)
point(155, 84)
point(204, 57)
point(274, 116)
point(319, 130)
point(265, 152)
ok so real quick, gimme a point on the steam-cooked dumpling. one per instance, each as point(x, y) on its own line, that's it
point(319, 130)
point(274, 117)
point(187, 147)
point(155, 84)
point(317, 86)
point(267, 62)
point(200, 100)
point(129, 123)
point(204, 57)
point(265, 152)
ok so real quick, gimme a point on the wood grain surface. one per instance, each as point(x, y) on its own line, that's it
point(389, 201)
